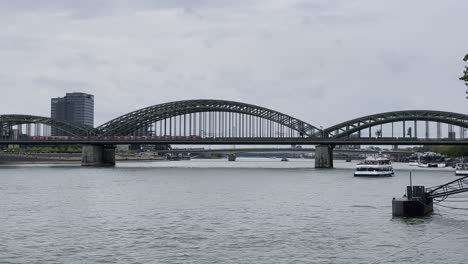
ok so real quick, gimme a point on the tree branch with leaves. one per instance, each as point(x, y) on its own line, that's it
point(465, 74)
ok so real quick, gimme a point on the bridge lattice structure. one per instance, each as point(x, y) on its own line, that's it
point(403, 124)
point(453, 187)
point(233, 120)
point(39, 125)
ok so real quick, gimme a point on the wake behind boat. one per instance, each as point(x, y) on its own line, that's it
point(376, 166)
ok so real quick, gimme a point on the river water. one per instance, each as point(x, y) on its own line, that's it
point(215, 211)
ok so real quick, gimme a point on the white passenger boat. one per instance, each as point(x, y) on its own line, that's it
point(414, 159)
point(461, 169)
point(377, 166)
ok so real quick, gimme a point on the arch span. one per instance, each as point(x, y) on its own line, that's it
point(71, 128)
point(347, 128)
point(125, 124)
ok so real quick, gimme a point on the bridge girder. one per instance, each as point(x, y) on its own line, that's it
point(347, 128)
point(130, 122)
point(126, 124)
point(71, 128)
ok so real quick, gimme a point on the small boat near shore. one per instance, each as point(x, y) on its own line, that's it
point(376, 166)
point(461, 169)
point(414, 159)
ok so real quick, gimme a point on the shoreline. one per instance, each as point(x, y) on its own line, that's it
point(64, 158)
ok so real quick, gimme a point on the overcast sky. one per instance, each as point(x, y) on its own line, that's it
point(323, 61)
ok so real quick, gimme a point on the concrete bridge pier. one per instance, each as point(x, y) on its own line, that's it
point(324, 156)
point(98, 155)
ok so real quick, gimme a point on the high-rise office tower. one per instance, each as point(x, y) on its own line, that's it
point(73, 107)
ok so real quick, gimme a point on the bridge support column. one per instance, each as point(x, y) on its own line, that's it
point(324, 156)
point(97, 155)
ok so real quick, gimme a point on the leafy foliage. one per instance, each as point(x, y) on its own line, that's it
point(465, 72)
point(48, 149)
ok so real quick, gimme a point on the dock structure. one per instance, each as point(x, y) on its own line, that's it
point(414, 203)
point(419, 201)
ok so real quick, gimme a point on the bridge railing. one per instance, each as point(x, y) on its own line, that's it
point(227, 140)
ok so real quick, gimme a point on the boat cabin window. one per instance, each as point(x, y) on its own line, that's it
point(375, 169)
point(377, 162)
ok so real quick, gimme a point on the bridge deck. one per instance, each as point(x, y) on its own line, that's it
point(249, 141)
point(280, 150)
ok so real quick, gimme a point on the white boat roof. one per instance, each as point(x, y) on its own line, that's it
point(372, 158)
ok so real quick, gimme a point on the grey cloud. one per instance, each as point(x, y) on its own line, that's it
point(93, 8)
point(321, 6)
point(59, 84)
point(19, 43)
point(399, 63)
point(79, 9)
point(81, 60)
point(346, 57)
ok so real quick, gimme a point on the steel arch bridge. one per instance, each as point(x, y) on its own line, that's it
point(74, 129)
point(347, 128)
point(229, 120)
point(218, 118)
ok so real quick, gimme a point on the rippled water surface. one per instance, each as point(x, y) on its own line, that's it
point(248, 211)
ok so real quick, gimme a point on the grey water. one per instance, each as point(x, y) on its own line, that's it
point(215, 211)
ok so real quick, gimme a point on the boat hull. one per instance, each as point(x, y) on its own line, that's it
point(377, 166)
point(432, 165)
point(461, 173)
point(376, 175)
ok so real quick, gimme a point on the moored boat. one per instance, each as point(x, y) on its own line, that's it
point(431, 160)
point(461, 169)
point(414, 159)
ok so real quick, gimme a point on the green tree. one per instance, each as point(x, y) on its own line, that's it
point(465, 74)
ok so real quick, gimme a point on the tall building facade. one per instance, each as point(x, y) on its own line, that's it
point(73, 107)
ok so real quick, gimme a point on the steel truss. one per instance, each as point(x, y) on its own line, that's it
point(126, 124)
point(222, 111)
point(347, 128)
point(8, 121)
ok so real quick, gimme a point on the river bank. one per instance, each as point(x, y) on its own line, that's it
point(24, 158)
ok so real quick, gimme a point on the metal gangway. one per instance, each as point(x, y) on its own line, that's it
point(443, 191)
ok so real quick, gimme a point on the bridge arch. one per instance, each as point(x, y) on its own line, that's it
point(128, 123)
point(74, 129)
point(347, 128)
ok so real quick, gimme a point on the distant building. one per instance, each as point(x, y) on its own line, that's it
point(73, 107)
